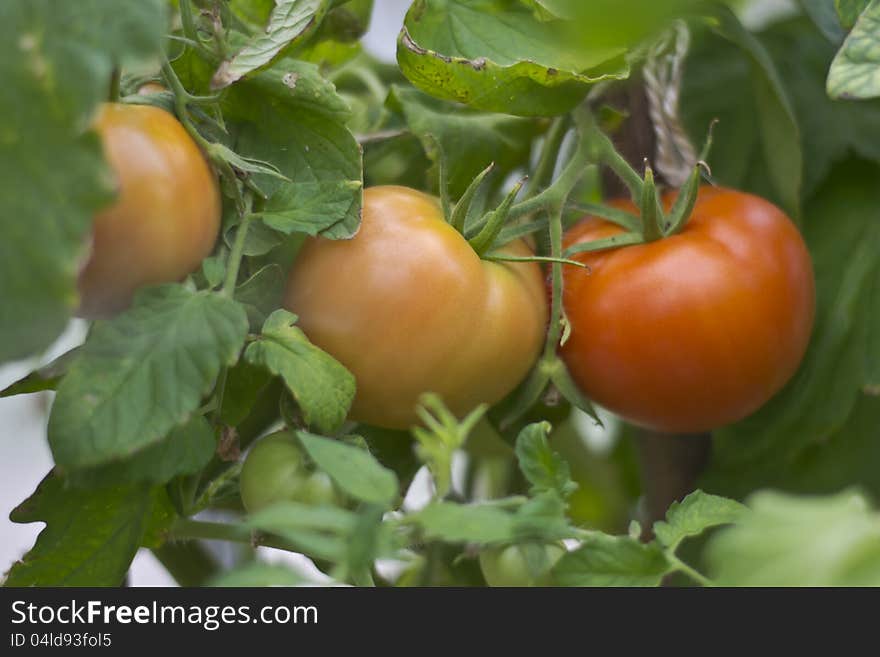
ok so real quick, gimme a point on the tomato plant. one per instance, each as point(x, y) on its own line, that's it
point(561, 293)
point(697, 330)
point(409, 307)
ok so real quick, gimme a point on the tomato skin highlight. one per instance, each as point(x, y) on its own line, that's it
point(408, 307)
point(693, 331)
point(166, 217)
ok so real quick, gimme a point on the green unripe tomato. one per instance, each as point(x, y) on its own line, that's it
point(520, 565)
point(276, 470)
point(318, 489)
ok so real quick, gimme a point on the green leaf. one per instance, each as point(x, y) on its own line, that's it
point(693, 515)
point(260, 239)
point(90, 537)
point(543, 468)
point(824, 15)
point(719, 84)
point(322, 387)
point(245, 383)
point(319, 531)
point(55, 61)
point(604, 560)
point(799, 541)
point(543, 518)
point(465, 523)
point(292, 118)
point(855, 71)
point(353, 469)
point(186, 450)
point(849, 11)
point(258, 573)
point(261, 294)
point(821, 397)
point(494, 55)
point(42, 378)
point(440, 437)
point(290, 22)
point(776, 120)
point(337, 39)
point(142, 373)
point(470, 139)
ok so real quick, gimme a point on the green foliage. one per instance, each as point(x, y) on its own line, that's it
point(90, 536)
point(258, 573)
point(322, 387)
point(693, 515)
point(604, 560)
point(814, 408)
point(143, 373)
point(184, 451)
point(353, 469)
point(55, 59)
point(756, 144)
point(849, 11)
point(800, 541)
point(290, 22)
point(544, 468)
point(470, 139)
point(441, 436)
point(153, 412)
point(855, 71)
point(495, 55)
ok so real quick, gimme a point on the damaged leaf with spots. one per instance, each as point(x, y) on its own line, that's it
point(499, 57)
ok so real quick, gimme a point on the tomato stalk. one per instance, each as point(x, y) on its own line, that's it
point(549, 155)
point(115, 79)
point(186, 529)
point(190, 31)
point(234, 262)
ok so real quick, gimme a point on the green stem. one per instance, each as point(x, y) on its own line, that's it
point(185, 529)
point(682, 567)
point(234, 263)
point(613, 242)
point(181, 99)
point(115, 78)
point(549, 155)
point(616, 216)
point(501, 257)
point(554, 331)
point(187, 22)
point(558, 192)
point(602, 151)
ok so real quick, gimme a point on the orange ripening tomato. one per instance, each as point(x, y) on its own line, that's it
point(696, 330)
point(409, 307)
point(166, 216)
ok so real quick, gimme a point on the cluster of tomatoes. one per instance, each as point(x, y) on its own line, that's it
point(683, 334)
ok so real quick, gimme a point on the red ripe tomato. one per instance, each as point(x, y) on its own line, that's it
point(165, 218)
point(696, 330)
